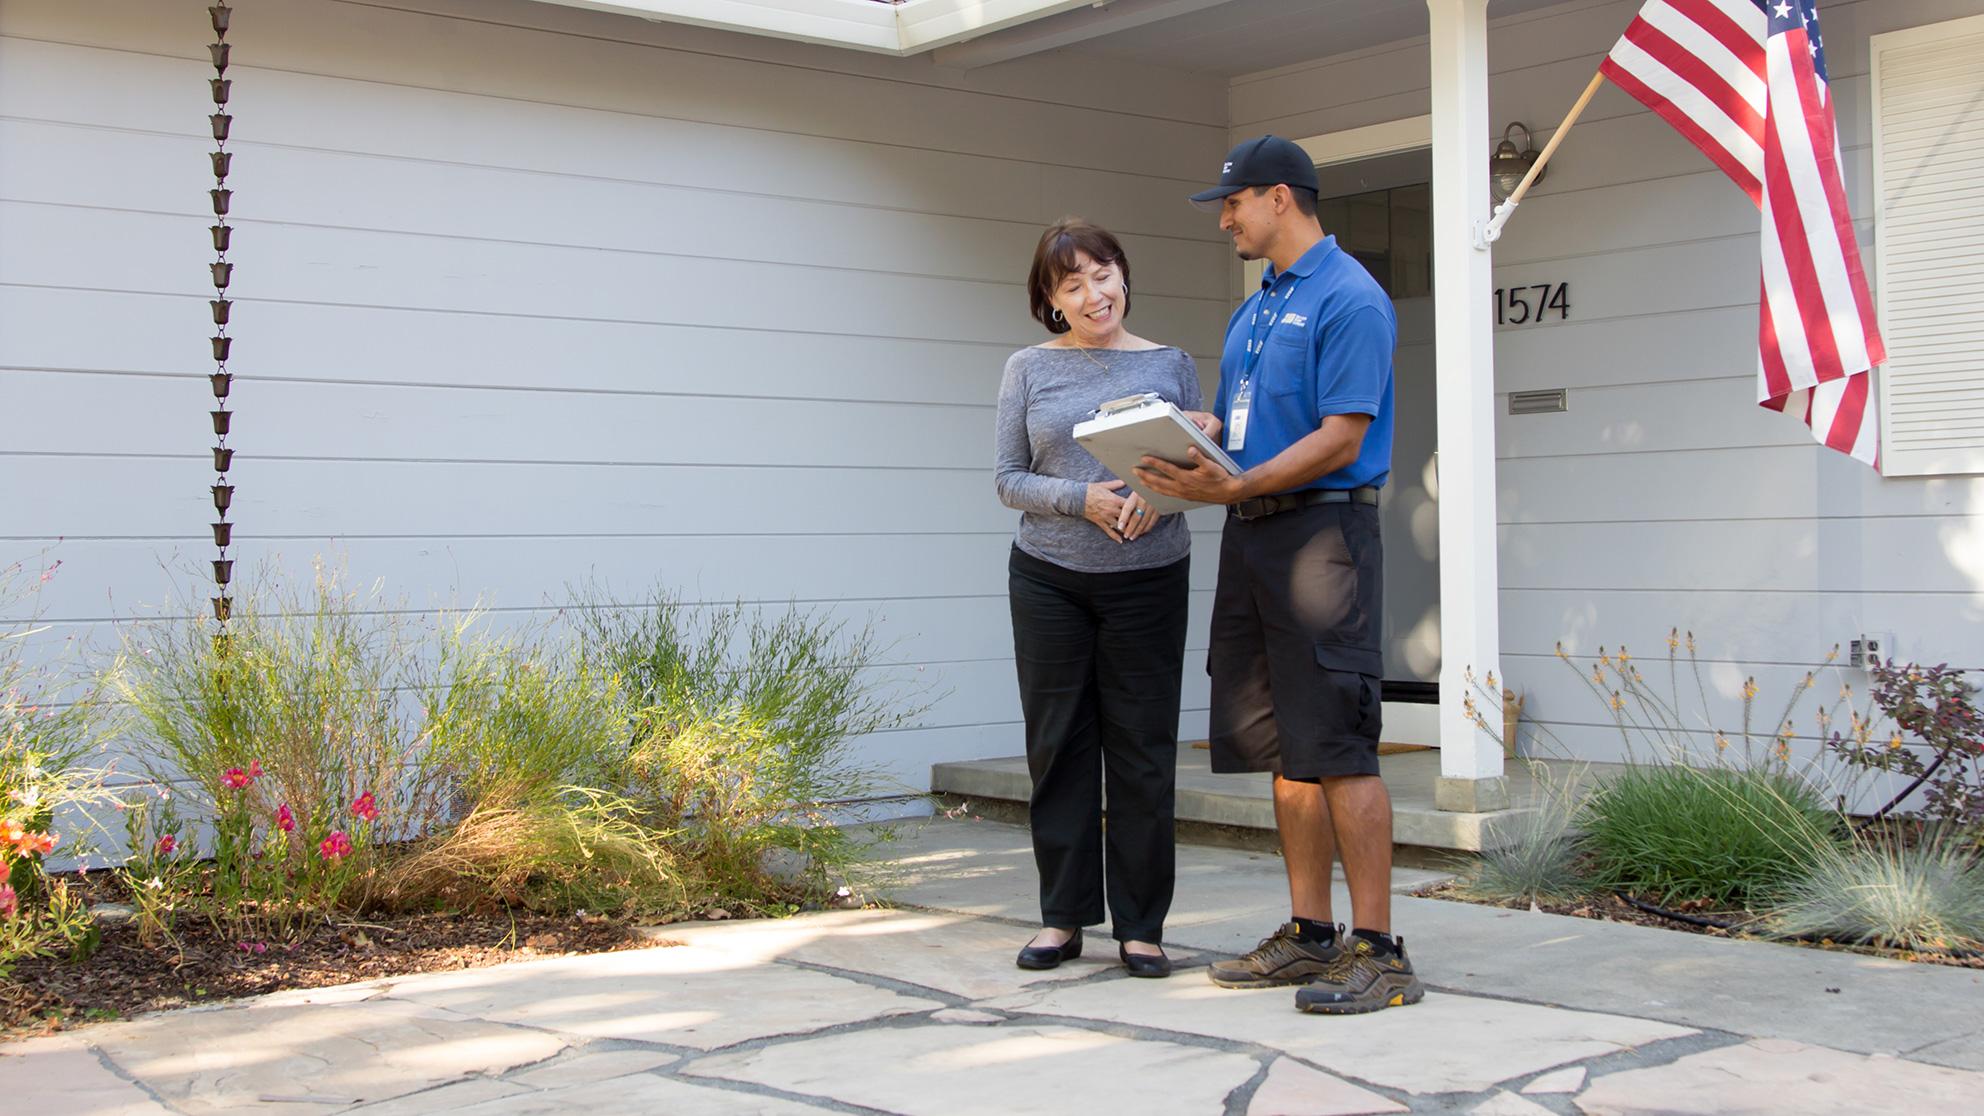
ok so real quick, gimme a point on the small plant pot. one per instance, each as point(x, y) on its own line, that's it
point(221, 307)
point(222, 382)
point(223, 460)
point(223, 534)
point(219, 14)
point(223, 274)
point(221, 122)
point(223, 497)
point(222, 346)
point(218, 52)
point(222, 420)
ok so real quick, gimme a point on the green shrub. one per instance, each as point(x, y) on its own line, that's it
point(48, 738)
point(285, 749)
point(1538, 857)
point(512, 720)
point(741, 745)
point(1883, 890)
point(1721, 835)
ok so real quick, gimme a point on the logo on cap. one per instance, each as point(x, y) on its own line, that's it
point(1227, 169)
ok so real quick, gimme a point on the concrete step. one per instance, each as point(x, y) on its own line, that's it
point(1245, 802)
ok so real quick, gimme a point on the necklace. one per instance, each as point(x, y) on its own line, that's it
point(1092, 358)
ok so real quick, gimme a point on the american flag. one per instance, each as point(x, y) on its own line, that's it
point(1745, 81)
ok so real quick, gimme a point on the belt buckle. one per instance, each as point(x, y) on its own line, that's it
point(1254, 507)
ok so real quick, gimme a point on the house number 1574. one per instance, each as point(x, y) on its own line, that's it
point(1524, 305)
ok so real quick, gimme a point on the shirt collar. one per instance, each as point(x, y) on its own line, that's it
point(1307, 265)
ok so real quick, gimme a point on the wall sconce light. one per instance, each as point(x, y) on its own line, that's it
point(1509, 164)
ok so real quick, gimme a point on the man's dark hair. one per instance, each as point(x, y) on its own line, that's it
point(1305, 198)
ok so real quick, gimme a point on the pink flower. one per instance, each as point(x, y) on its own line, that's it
point(336, 846)
point(254, 769)
point(235, 779)
point(166, 844)
point(366, 808)
point(285, 820)
point(7, 901)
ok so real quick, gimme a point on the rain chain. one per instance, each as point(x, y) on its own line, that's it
point(223, 274)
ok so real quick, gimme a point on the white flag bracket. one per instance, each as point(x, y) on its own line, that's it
point(1489, 233)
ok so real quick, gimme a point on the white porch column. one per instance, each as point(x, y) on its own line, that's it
point(1463, 299)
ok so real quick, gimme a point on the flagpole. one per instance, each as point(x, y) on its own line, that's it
point(1493, 230)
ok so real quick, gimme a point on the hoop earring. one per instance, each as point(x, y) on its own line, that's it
point(1058, 316)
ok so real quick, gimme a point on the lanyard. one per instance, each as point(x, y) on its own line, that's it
point(1257, 338)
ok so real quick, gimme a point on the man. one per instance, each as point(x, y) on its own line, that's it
point(1305, 407)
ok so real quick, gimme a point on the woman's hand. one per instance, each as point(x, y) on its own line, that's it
point(1206, 421)
point(1105, 508)
point(1136, 519)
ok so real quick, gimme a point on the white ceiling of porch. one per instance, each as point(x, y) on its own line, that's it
point(1243, 36)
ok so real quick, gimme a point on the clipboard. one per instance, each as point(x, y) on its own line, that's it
point(1125, 431)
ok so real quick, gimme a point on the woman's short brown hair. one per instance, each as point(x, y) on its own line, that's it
point(1055, 259)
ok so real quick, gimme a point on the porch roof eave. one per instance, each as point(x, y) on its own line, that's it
point(876, 26)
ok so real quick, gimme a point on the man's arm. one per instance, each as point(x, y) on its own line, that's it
point(1330, 447)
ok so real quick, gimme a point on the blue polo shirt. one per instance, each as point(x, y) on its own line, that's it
point(1325, 332)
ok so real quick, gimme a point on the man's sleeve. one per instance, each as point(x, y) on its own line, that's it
point(1355, 362)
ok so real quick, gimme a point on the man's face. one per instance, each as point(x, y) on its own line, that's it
point(1251, 220)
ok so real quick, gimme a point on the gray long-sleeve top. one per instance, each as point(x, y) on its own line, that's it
point(1040, 470)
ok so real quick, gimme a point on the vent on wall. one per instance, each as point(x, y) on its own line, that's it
point(1537, 402)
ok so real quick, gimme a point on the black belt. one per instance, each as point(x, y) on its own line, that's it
point(1261, 506)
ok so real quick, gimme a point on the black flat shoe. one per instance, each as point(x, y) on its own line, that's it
point(1144, 965)
point(1047, 957)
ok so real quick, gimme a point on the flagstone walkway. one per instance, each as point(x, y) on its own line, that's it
point(920, 1011)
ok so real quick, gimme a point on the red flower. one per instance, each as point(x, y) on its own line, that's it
point(285, 820)
point(365, 807)
point(166, 844)
point(254, 769)
point(336, 846)
point(6, 870)
point(235, 779)
point(7, 902)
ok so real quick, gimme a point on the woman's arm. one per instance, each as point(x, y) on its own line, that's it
point(1019, 486)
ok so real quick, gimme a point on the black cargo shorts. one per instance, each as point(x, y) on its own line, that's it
point(1294, 653)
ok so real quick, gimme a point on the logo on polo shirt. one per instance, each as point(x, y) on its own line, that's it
point(1299, 321)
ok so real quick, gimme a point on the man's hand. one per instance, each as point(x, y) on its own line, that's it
point(1207, 422)
point(1202, 480)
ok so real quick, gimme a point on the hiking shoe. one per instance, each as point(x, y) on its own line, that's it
point(1366, 981)
point(1282, 958)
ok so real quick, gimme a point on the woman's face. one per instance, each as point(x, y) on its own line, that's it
point(1090, 298)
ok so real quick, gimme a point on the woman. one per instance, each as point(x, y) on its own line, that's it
point(1098, 588)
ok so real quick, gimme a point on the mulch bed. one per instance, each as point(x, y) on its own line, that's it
point(125, 978)
point(1609, 907)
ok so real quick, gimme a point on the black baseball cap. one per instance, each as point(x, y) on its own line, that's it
point(1262, 161)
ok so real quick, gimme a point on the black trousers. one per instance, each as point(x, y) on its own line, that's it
point(1101, 658)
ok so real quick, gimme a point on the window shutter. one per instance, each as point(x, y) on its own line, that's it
point(1929, 245)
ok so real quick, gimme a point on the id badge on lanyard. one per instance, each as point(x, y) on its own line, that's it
point(1243, 395)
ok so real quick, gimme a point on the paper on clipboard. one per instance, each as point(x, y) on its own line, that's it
point(1125, 431)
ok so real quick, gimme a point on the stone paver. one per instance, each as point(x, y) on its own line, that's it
point(1293, 1089)
point(683, 996)
point(316, 1058)
point(1766, 1075)
point(1509, 1104)
point(920, 1011)
point(62, 1075)
point(643, 1094)
point(1480, 1042)
point(952, 953)
point(1563, 1081)
point(956, 1071)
